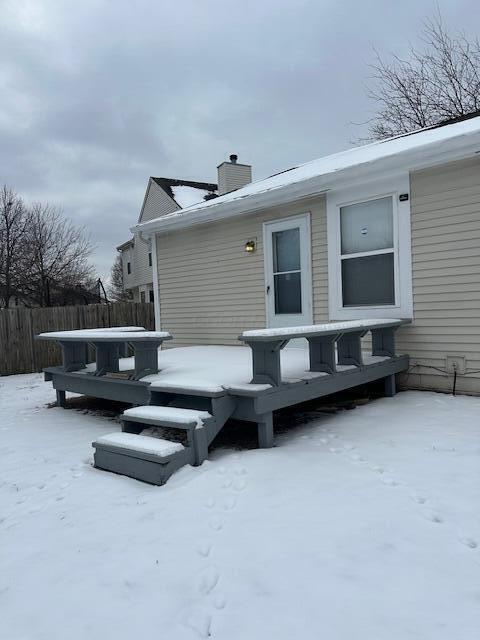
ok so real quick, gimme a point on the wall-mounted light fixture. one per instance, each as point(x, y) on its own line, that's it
point(250, 246)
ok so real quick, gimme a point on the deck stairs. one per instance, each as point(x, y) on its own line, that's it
point(157, 439)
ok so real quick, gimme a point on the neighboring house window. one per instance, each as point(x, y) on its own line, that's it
point(142, 296)
point(369, 251)
point(129, 268)
point(150, 296)
point(149, 259)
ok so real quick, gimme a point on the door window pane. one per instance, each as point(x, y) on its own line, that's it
point(286, 250)
point(288, 293)
point(367, 226)
point(368, 281)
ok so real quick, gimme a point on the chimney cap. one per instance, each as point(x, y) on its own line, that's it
point(233, 158)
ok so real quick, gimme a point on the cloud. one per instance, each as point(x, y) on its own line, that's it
point(98, 95)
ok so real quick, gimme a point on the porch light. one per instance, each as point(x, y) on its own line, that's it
point(250, 246)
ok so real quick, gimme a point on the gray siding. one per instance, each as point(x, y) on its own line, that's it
point(233, 176)
point(211, 290)
point(156, 203)
point(445, 213)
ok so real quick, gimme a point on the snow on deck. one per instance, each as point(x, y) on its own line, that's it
point(363, 524)
point(213, 368)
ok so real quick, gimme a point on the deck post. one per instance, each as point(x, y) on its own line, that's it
point(266, 361)
point(322, 353)
point(265, 431)
point(107, 357)
point(146, 357)
point(390, 386)
point(349, 348)
point(74, 355)
point(383, 342)
point(200, 445)
point(61, 398)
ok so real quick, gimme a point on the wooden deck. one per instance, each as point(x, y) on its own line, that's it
point(219, 383)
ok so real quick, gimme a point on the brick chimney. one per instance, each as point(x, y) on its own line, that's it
point(232, 175)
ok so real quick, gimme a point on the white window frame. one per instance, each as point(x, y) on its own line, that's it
point(403, 307)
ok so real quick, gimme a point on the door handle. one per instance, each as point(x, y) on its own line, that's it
point(268, 288)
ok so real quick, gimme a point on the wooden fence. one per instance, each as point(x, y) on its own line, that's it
point(21, 353)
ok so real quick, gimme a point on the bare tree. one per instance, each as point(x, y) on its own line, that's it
point(116, 290)
point(436, 83)
point(13, 229)
point(56, 256)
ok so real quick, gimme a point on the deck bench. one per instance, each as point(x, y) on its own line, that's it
point(329, 345)
point(108, 345)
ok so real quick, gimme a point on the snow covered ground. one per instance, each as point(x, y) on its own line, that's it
point(363, 524)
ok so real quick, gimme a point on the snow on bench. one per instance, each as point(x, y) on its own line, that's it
point(330, 344)
point(140, 444)
point(108, 345)
point(166, 416)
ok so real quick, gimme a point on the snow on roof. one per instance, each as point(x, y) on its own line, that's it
point(317, 175)
point(186, 196)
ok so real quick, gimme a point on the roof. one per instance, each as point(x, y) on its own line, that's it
point(186, 192)
point(125, 245)
point(440, 143)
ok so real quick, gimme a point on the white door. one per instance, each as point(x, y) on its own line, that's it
point(288, 272)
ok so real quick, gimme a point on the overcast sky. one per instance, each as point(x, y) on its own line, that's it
point(97, 95)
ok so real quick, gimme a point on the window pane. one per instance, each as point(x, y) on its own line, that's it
point(288, 293)
point(368, 281)
point(367, 226)
point(286, 250)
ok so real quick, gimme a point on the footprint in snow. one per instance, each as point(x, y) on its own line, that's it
point(220, 601)
point(239, 484)
point(208, 580)
point(227, 483)
point(433, 516)
point(240, 471)
point(229, 503)
point(222, 471)
point(216, 524)
point(471, 543)
point(204, 548)
point(200, 621)
point(390, 482)
point(377, 469)
point(418, 498)
point(210, 503)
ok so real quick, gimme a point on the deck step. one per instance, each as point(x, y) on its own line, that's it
point(142, 457)
point(170, 417)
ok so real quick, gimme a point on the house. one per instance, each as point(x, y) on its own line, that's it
point(386, 230)
point(163, 196)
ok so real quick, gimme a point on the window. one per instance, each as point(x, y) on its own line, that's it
point(287, 271)
point(369, 250)
point(150, 296)
point(367, 253)
point(149, 259)
point(142, 296)
point(129, 268)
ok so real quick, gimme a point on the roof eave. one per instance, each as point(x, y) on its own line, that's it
point(409, 160)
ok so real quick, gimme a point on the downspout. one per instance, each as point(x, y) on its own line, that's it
point(156, 290)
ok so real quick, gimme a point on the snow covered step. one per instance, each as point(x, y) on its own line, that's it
point(141, 443)
point(170, 417)
point(142, 457)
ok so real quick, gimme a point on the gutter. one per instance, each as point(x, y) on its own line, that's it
point(430, 155)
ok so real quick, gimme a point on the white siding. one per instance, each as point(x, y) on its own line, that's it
point(211, 290)
point(445, 212)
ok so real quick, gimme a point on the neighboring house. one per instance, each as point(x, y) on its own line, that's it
point(390, 229)
point(163, 195)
